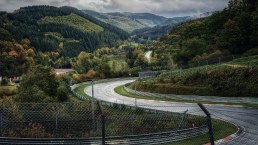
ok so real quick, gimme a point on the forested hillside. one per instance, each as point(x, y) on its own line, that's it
point(233, 31)
point(50, 36)
point(36, 22)
point(121, 21)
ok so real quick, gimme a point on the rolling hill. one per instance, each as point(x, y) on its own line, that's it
point(128, 21)
point(66, 30)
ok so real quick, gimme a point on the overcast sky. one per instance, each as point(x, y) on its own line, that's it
point(168, 8)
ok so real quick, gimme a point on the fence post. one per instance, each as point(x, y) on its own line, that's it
point(135, 88)
point(92, 114)
point(208, 122)
point(180, 71)
point(183, 119)
point(207, 63)
point(103, 129)
point(1, 123)
point(57, 119)
point(103, 123)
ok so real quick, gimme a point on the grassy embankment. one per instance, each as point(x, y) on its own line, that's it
point(237, 78)
point(120, 90)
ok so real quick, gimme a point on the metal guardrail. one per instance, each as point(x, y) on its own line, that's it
point(73, 87)
point(145, 139)
point(148, 94)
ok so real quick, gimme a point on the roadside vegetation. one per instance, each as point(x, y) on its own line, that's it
point(237, 78)
point(120, 90)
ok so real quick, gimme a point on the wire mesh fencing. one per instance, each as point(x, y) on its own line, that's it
point(123, 122)
point(51, 120)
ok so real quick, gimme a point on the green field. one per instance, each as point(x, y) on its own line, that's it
point(74, 21)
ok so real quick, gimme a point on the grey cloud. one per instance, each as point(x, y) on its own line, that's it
point(161, 7)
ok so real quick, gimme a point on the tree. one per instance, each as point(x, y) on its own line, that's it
point(42, 80)
point(62, 93)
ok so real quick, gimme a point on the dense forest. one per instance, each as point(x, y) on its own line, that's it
point(233, 31)
point(52, 36)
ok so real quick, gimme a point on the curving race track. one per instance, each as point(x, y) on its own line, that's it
point(247, 118)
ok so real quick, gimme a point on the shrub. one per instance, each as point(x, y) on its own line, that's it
point(32, 94)
point(62, 93)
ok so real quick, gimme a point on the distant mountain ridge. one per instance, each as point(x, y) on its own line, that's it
point(128, 21)
point(148, 19)
point(145, 25)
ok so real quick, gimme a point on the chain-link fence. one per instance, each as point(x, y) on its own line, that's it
point(94, 121)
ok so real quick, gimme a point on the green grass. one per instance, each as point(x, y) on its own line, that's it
point(74, 21)
point(80, 90)
point(120, 90)
point(221, 129)
point(212, 80)
point(251, 61)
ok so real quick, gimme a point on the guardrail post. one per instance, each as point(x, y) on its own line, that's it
point(209, 123)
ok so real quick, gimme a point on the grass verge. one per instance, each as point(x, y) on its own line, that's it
point(221, 130)
point(79, 90)
point(120, 90)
